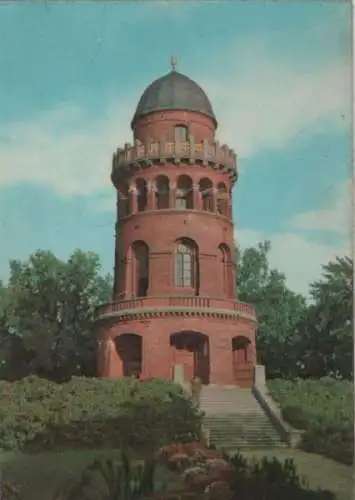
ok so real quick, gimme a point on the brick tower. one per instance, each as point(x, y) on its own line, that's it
point(174, 311)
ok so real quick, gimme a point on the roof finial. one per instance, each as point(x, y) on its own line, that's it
point(173, 62)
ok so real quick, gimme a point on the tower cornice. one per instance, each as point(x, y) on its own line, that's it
point(129, 160)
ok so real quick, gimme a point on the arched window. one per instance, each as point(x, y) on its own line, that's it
point(184, 194)
point(227, 275)
point(206, 190)
point(162, 192)
point(124, 201)
point(181, 133)
point(186, 264)
point(222, 199)
point(142, 197)
point(141, 268)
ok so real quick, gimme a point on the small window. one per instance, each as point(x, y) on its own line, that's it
point(181, 133)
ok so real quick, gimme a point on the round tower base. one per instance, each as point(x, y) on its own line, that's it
point(218, 348)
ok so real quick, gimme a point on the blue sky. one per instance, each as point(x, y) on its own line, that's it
point(278, 76)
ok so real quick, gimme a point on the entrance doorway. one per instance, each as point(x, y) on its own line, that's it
point(191, 349)
point(242, 364)
point(129, 350)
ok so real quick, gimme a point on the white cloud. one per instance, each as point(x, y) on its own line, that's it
point(63, 149)
point(291, 253)
point(294, 253)
point(265, 102)
point(260, 102)
point(336, 218)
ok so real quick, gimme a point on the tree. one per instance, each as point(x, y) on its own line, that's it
point(48, 309)
point(325, 333)
point(278, 309)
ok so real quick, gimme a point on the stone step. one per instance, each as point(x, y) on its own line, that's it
point(235, 419)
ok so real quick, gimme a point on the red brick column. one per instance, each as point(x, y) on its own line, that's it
point(157, 356)
point(221, 359)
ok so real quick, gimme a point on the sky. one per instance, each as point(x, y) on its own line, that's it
point(278, 75)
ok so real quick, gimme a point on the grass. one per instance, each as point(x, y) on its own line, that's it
point(318, 471)
point(39, 475)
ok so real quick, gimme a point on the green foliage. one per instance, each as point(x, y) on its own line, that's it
point(325, 333)
point(295, 339)
point(121, 481)
point(46, 314)
point(270, 479)
point(93, 413)
point(324, 409)
point(278, 309)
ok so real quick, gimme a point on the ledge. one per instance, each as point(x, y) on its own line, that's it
point(175, 211)
point(140, 156)
point(165, 306)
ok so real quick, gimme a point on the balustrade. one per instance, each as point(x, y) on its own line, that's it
point(175, 302)
point(201, 150)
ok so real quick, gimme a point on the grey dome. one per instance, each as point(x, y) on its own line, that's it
point(174, 91)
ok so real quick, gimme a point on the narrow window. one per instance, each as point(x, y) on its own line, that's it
point(186, 265)
point(206, 190)
point(181, 133)
point(124, 201)
point(222, 199)
point(141, 264)
point(184, 193)
point(162, 192)
point(142, 195)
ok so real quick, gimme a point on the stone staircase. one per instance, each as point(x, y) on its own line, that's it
point(235, 419)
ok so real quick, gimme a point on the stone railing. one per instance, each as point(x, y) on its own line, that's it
point(214, 154)
point(175, 303)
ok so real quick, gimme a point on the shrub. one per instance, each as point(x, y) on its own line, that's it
point(295, 416)
point(121, 481)
point(95, 413)
point(324, 409)
point(270, 479)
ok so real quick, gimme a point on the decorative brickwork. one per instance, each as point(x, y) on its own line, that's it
point(174, 298)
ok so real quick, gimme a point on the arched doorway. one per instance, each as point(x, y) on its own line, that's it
point(129, 350)
point(242, 363)
point(191, 349)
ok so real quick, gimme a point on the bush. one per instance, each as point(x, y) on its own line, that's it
point(324, 409)
point(95, 413)
point(270, 479)
point(295, 416)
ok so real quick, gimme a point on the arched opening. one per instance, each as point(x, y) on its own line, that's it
point(222, 199)
point(242, 363)
point(191, 350)
point(162, 192)
point(140, 268)
point(181, 133)
point(124, 201)
point(186, 265)
point(184, 194)
point(206, 190)
point(227, 275)
point(142, 195)
point(129, 350)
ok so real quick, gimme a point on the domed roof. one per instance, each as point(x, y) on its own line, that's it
point(174, 91)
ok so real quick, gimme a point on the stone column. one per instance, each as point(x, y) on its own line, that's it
point(214, 199)
point(129, 275)
point(197, 199)
point(172, 194)
point(133, 199)
point(151, 195)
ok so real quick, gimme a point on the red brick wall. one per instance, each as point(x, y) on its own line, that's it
point(158, 357)
point(160, 230)
point(157, 124)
